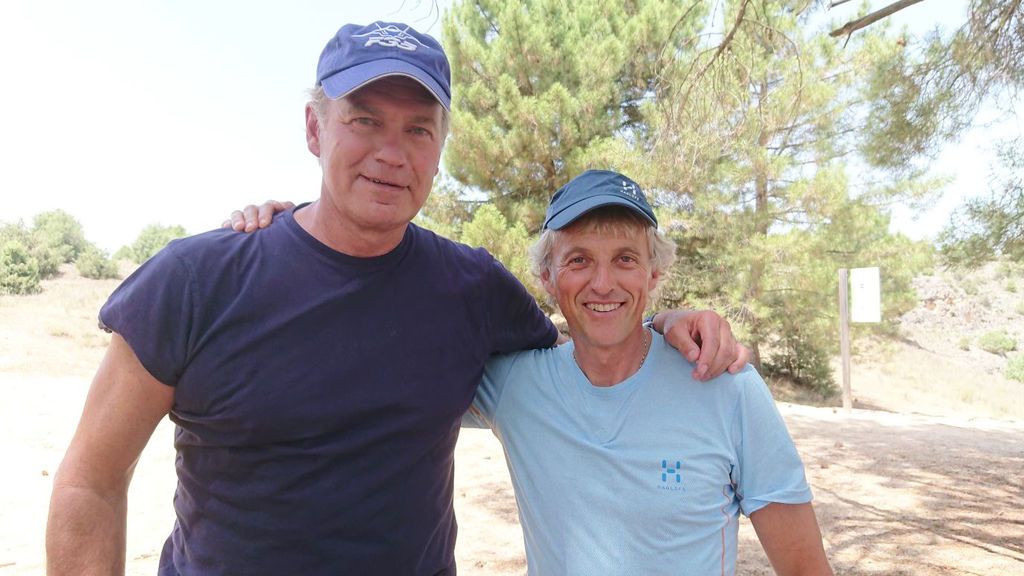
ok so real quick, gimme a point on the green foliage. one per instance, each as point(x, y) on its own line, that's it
point(151, 240)
point(997, 342)
point(19, 271)
point(1019, 308)
point(60, 234)
point(964, 343)
point(804, 362)
point(94, 263)
point(1015, 368)
point(508, 242)
point(447, 208)
point(925, 91)
point(744, 146)
point(47, 253)
point(1010, 285)
point(547, 88)
point(993, 225)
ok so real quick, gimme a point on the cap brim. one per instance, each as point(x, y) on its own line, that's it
point(351, 79)
point(570, 213)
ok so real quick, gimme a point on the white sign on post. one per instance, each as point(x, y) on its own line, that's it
point(866, 295)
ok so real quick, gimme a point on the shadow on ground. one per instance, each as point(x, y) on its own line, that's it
point(902, 496)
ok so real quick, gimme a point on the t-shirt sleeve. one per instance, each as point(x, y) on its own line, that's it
point(769, 468)
point(482, 411)
point(515, 320)
point(153, 310)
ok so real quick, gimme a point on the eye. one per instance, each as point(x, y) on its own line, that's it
point(577, 260)
point(365, 121)
point(420, 131)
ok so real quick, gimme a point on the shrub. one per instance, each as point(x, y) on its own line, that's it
point(997, 342)
point(94, 263)
point(151, 240)
point(1011, 285)
point(16, 232)
point(60, 232)
point(48, 257)
point(507, 241)
point(1015, 368)
point(19, 272)
point(798, 359)
point(1019, 308)
point(965, 343)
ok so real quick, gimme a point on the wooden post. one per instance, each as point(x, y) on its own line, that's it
point(844, 337)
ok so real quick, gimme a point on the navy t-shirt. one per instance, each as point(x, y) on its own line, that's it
point(317, 395)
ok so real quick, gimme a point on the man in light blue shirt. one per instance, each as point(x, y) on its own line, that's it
point(622, 462)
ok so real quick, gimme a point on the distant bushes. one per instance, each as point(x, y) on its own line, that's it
point(997, 342)
point(150, 241)
point(94, 263)
point(1015, 368)
point(19, 271)
point(59, 233)
point(30, 255)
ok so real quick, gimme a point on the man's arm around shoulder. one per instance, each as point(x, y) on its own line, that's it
point(791, 539)
point(86, 528)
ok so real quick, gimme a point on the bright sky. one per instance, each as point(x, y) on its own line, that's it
point(131, 112)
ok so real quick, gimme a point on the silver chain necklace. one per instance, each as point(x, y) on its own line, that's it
point(647, 348)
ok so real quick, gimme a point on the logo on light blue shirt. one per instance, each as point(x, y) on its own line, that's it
point(669, 473)
point(671, 476)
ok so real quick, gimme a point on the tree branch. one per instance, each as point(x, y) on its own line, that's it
point(854, 25)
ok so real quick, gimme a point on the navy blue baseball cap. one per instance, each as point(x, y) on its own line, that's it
point(358, 55)
point(594, 189)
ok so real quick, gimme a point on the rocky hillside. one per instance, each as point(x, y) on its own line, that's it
point(957, 308)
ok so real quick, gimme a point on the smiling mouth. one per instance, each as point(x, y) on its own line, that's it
point(384, 183)
point(603, 307)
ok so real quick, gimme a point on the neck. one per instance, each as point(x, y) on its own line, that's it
point(606, 367)
point(343, 236)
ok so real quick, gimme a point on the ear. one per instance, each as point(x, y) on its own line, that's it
point(653, 282)
point(548, 282)
point(312, 131)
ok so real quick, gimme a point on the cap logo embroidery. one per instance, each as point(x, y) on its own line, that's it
point(630, 190)
point(390, 37)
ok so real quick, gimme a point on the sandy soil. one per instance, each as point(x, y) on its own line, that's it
point(895, 493)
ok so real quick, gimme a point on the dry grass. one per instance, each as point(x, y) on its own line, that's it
point(903, 377)
point(55, 332)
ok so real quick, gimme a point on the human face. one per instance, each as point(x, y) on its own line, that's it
point(600, 280)
point(379, 150)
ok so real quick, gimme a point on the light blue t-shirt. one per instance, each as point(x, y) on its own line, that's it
point(645, 477)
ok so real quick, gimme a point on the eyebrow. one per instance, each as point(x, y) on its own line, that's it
point(363, 107)
point(368, 109)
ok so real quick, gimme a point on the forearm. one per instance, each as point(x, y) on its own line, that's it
point(791, 539)
point(85, 531)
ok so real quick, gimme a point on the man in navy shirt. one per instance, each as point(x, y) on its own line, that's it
point(317, 372)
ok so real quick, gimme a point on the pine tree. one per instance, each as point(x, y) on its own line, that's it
point(753, 146)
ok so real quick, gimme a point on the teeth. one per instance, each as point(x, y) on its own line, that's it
point(603, 307)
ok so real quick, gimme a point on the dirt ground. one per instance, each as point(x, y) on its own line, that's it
point(895, 493)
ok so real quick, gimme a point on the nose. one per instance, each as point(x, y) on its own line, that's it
point(390, 150)
point(602, 282)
